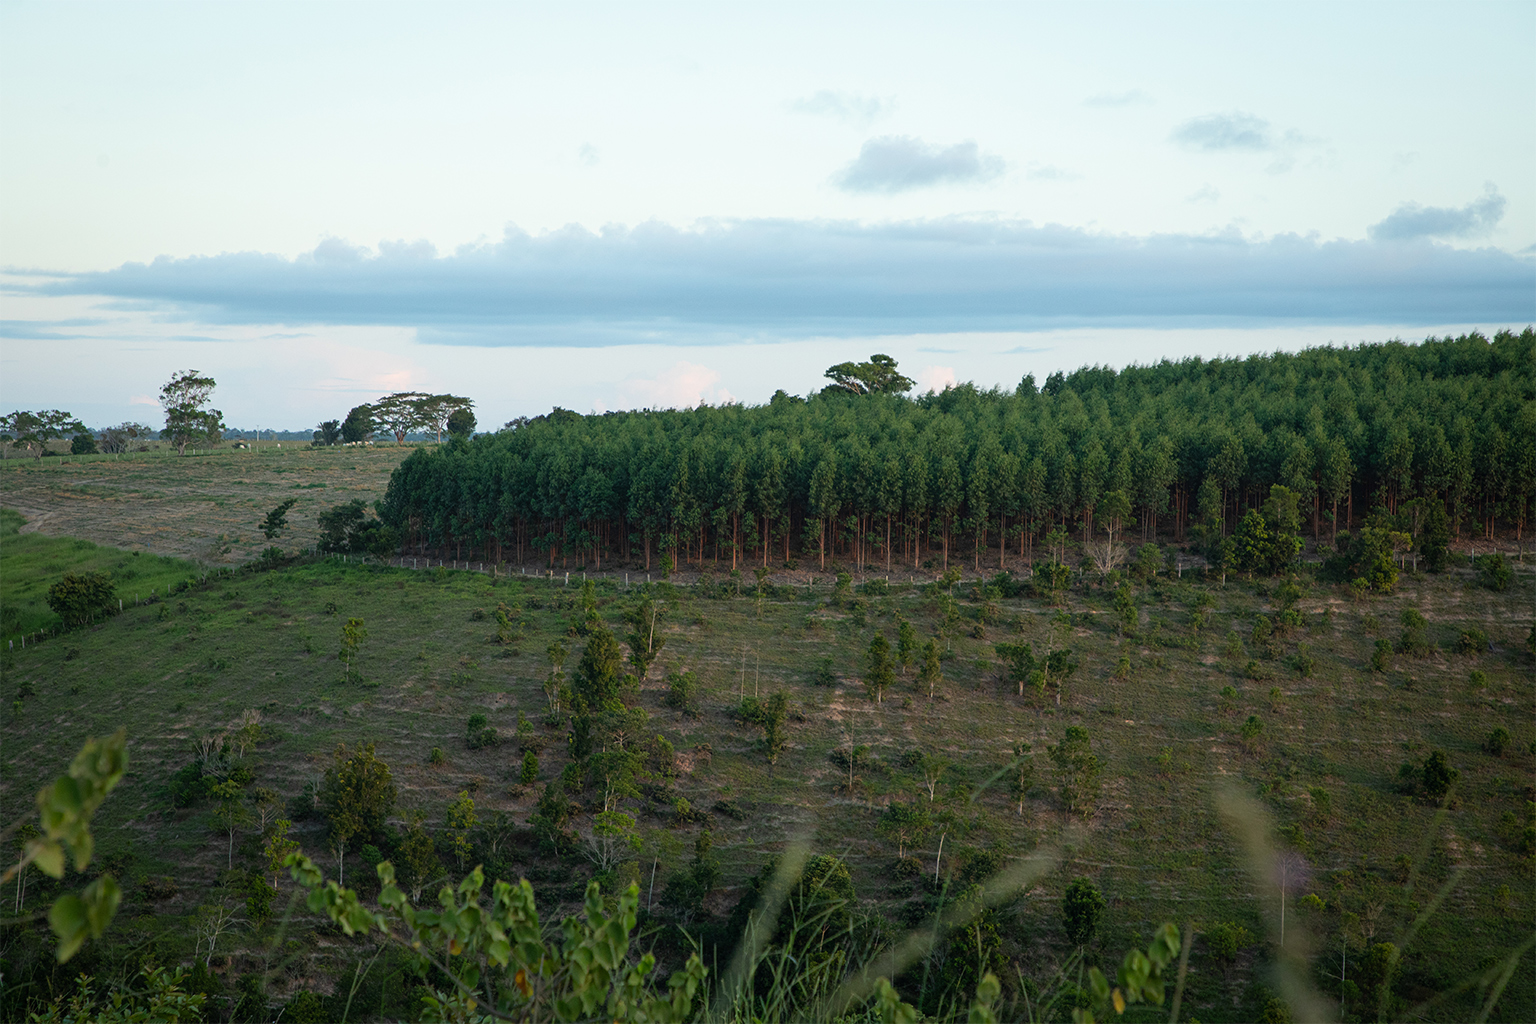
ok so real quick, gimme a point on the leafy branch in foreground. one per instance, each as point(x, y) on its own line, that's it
point(498, 960)
point(65, 809)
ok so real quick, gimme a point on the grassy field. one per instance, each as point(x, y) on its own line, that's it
point(206, 507)
point(1169, 736)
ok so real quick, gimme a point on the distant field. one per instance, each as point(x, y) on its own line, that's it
point(173, 671)
point(204, 507)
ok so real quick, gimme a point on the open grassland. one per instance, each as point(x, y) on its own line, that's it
point(1169, 737)
point(206, 507)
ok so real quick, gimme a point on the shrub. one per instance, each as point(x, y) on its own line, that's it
point(530, 772)
point(1493, 571)
point(436, 757)
point(1080, 910)
point(1438, 776)
point(77, 598)
point(1226, 940)
point(1478, 679)
point(1473, 641)
point(480, 733)
point(1251, 732)
point(682, 687)
point(1380, 658)
point(1497, 741)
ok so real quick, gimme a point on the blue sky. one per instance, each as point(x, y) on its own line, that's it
point(611, 206)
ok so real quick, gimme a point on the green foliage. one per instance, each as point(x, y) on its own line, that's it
point(932, 673)
point(1493, 571)
point(1368, 558)
point(188, 419)
point(1077, 771)
point(878, 376)
point(1081, 907)
point(349, 528)
point(77, 598)
point(357, 796)
point(529, 774)
point(161, 999)
point(904, 824)
point(1437, 776)
point(353, 633)
point(65, 809)
point(1140, 979)
point(1473, 641)
point(1435, 537)
point(277, 519)
point(1381, 657)
point(479, 733)
point(1497, 741)
point(83, 443)
point(881, 671)
point(768, 715)
point(462, 820)
point(1251, 732)
point(33, 430)
point(682, 692)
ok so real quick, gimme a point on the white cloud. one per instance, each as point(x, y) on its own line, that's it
point(900, 163)
point(1411, 220)
point(851, 107)
point(681, 385)
point(144, 400)
point(1206, 193)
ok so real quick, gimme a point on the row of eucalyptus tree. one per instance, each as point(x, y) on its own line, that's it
point(879, 479)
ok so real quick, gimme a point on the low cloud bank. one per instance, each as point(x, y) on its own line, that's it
point(780, 279)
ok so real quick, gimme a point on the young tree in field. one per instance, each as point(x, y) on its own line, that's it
point(906, 644)
point(881, 673)
point(1018, 662)
point(277, 519)
point(352, 636)
point(613, 837)
point(188, 419)
point(931, 769)
point(1021, 778)
point(1080, 910)
point(904, 824)
point(461, 825)
point(1077, 771)
point(418, 855)
point(530, 770)
point(33, 430)
point(770, 716)
point(231, 812)
point(644, 641)
point(932, 673)
point(357, 795)
point(277, 847)
point(77, 598)
point(554, 686)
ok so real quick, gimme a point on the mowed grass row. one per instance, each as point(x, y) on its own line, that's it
point(1168, 736)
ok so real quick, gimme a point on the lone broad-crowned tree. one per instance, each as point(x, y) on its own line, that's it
point(188, 419)
point(33, 430)
point(878, 376)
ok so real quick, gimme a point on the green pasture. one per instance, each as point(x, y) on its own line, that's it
point(267, 641)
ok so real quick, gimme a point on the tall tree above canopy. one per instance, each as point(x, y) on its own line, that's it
point(188, 420)
point(878, 376)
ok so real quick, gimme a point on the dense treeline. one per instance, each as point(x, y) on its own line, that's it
point(881, 480)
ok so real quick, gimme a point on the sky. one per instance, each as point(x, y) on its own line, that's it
point(650, 205)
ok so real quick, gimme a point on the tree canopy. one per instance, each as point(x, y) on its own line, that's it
point(881, 479)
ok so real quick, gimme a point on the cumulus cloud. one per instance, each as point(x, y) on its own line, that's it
point(1410, 220)
point(1118, 99)
point(900, 163)
point(588, 154)
point(851, 107)
point(723, 281)
point(682, 385)
point(1206, 193)
point(1215, 132)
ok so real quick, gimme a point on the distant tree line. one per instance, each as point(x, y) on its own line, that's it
point(880, 479)
point(401, 414)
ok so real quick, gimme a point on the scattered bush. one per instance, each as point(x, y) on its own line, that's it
point(1473, 641)
point(1478, 679)
point(480, 733)
point(1497, 741)
point(1493, 571)
point(682, 688)
point(530, 771)
point(1080, 910)
point(436, 757)
point(1380, 659)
